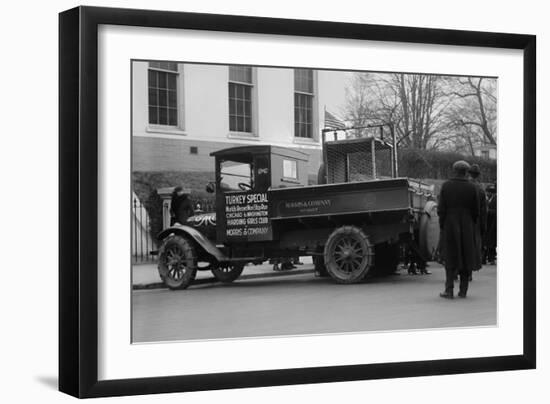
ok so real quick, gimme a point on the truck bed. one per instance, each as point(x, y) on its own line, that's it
point(345, 198)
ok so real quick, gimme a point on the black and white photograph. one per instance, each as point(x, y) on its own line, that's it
point(273, 201)
point(251, 202)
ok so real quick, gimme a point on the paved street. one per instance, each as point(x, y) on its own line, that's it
point(303, 304)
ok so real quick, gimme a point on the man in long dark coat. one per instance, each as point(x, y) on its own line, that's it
point(458, 211)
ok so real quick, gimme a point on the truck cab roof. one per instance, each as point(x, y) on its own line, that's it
point(260, 167)
point(246, 152)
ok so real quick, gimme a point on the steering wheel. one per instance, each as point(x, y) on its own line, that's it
point(244, 186)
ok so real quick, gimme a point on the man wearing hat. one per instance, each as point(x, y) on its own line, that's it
point(481, 225)
point(181, 207)
point(491, 235)
point(458, 211)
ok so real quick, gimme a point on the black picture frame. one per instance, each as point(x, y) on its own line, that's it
point(78, 196)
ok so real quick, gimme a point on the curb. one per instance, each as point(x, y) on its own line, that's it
point(160, 285)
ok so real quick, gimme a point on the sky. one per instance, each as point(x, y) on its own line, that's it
point(334, 88)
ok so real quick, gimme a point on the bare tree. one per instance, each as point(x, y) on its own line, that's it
point(370, 101)
point(425, 111)
point(422, 105)
point(412, 104)
point(474, 108)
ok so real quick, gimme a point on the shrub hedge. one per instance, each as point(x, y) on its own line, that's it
point(421, 164)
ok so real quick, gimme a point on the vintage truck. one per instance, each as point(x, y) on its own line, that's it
point(355, 222)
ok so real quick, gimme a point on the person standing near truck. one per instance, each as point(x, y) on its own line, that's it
point(481, 225)
point(458, 211)
point(491, 236)
point(181, 207)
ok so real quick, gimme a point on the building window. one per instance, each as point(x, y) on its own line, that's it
point(303, 103)
point(163, 94)
point(240, 99)
point(485, 154)
point(290, 169)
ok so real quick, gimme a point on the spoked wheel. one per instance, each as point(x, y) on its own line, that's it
point(177, 262)
point(228, 272)
point(348, 254)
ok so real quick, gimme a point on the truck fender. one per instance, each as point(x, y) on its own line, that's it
point(197, 236)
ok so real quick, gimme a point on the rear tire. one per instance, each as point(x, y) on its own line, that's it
point(177, 262)
point(227, 273)
point(349, 255)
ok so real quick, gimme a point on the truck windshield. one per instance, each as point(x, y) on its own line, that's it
point(235, 176)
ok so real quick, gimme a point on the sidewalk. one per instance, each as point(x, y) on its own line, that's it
point(146, 276)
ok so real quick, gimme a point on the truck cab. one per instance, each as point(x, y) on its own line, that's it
point(245, 176)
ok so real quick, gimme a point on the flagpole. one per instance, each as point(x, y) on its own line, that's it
point(323, 140)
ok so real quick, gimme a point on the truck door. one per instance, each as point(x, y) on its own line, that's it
point(262, 174)
point(242, 199)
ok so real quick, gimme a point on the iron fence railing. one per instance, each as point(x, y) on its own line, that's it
point(142, 241)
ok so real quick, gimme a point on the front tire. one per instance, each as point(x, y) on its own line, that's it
point(177, 262)
point(227, 273)
point(349, 255)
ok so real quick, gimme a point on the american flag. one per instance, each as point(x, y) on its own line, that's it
point(332, 122)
